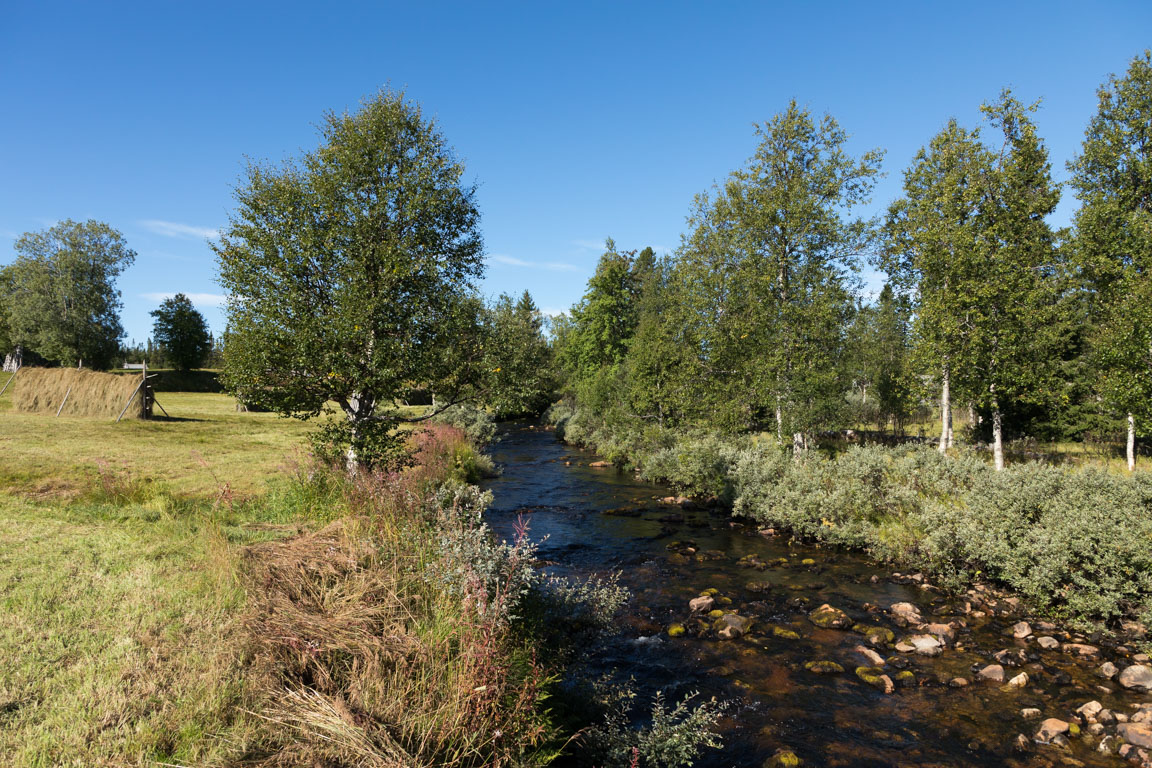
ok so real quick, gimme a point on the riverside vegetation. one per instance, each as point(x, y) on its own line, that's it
point(281, 612)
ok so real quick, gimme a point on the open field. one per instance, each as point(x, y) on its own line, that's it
point(137, 599)
point(204, 446)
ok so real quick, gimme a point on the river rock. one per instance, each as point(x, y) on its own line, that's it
point(993, 672)
point(701, 604)
point(1136, 676)
point(828, 617)
point(944, 631)
point(875, 677)
point(1019, 681)
point(756, 587)
point(675, 630)
point(1090, 710)
point(600, 464)
point(1030, 713)
point(731, 626)
point(785, 634)
point(784, 758)
point(824, 667)
point(1050, 729)
point(1011, 657)
point(1048, 643)
point(1107, 670)
point(958, 682)
point(925, 645)
point(1082, 650)
point(1139, 734)
point(905, 614)
point(1021, 630)
point(874, 658)
point(877, 636)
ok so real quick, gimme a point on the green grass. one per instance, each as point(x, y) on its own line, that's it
point(120, 633)
point(207, 444)
point(119, 598)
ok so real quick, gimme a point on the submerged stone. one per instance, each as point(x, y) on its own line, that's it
point(828, 617)
point(785, 758)
point(786, 634)
point(675, 630)
point(875, 677)
point(824, 667)
point(875, 635)
point(731, 626)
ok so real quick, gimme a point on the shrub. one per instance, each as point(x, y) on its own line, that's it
point(476, 423)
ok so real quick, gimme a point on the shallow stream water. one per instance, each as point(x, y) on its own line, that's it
point(825, 719)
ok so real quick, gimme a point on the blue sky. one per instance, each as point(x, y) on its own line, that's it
point(579, 121)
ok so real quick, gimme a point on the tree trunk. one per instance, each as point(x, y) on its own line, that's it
point(945, 413)
point(1131, 442)
point(997, 437)
point(779, 422)
point(798, 444)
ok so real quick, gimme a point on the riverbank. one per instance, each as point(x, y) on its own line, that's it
point(1075, 544)
point(205, 598)
point(802, 679)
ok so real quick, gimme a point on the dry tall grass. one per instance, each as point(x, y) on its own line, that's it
point(88, 393)
point(368, 650)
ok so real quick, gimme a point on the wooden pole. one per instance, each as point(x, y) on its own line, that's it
point(10, 379)
point(130, 399)
point(157, 402)
point(61, 408)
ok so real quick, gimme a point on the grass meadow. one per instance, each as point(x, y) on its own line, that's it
point(158, 580)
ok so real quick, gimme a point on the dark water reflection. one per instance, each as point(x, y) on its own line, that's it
point(833, 720)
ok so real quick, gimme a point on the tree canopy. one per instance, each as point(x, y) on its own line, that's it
point(60, 296)
point(350, 277)
point(182, 333)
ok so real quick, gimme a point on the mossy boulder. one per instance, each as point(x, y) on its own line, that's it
point(785, 758)
point(875, 677)
point(675, 630)
point(875, 635)
point(786, 634)
point(827, 617)
point(824, 667)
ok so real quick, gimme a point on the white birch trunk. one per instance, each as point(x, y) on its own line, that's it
point(945, 413)
point(779, 422)
point(997, 438)
point(797, 444)
point(1131, 442)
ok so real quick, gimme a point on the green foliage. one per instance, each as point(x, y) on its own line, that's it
point(1035, 528)
point(605, 319)
point(475, 422)
point(182, 332)
point(351, 276)
point(673, 737)
point(59, 298)
point(519, 359)
point(1113, 238)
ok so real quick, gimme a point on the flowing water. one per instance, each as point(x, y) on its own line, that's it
point(826, 719)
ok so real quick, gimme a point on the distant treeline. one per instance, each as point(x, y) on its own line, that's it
point(758, 321)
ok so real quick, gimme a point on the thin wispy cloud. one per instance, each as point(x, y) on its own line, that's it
point(202, 299)
point(556, 266)
point(176, 229)
point(589, 245)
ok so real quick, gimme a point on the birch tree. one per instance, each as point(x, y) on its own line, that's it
point(1112, 177)
point(1017, 328)
point(931, 255)
point(784, 228)
point(350, 276)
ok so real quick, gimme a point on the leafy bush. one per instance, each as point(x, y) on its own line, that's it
point(674, 737)
point(1072, 542)
point(476, 423)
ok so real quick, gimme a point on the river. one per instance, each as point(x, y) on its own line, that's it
point(942, 715)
